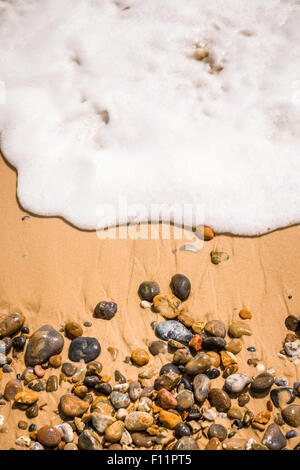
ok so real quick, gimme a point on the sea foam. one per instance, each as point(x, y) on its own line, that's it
point(104, 100)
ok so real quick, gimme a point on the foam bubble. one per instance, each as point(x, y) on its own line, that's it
point(105, 101)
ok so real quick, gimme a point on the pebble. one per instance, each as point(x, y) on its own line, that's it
point(186, 443)
point(55, 361)
point(140, 357)
point(84, 348)
point(245, 314)
point(201, 387)
point(19, 343)
point(234, 346)
point(214, 343)
point(291, 415)
point(73, 329)
point(291, 349)
point(209, 413)
point(52, 384)
point(119, 400)
point(204, 232)
point(218, 257)
point(11, 389)
point(185, 400)
point(68, 369)
point(66, 431)
point(44, 343)
point(182, 356)
point(292, 433)
point(169, 367)
point(217, 430)
point(26, 397)
point(238, 329)
point(169, 380)
point(49, 436)
point(114, 431)
point(145, 304)
point(105, 310)
point(213, 444)
point(134, 391)
point(167, 305)
point(199, 364)
point(189, 247)
point(251, 349)
point(101, 422)
point(182, 429)
point(180, 286)
point(292, 323)
point(121, 414)
point(173, 329)
point(235, 413)
point(36, 446)
point(219, 399)
point(32, 411)
point(243, 399)
point(22, 425)
point(138, 421)
point(236, 383)
point(11, 324)
point(126, 438)
point(262, 382)
point(282, 396)
point(273, 437)
point(145, 405)
point(103, 389)
point(158, 347)
point(215, 328)
point(169, 419)
point(72, 406)
point(281, 382)
point(141, 439)
point(235, 443)
point(148, 290)
point(70, 446)
point(23, 441)
point(88, 440)
point(166, 399)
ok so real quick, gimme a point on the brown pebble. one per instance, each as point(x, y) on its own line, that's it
point(140, 357)
point(32, 411)
point(55, 361)
point(22, 425)
point(245, 314)
point(204, 232)
point(73, 330)
point(49, 436)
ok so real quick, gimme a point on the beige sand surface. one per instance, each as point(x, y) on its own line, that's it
point(53, 272)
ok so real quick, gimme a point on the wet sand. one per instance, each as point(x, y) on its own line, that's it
point(53, 272)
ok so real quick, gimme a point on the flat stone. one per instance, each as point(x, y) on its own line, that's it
point(215, 328)
point(72, 406)
point(44, 343)
point(238, 329)
point(88, 440)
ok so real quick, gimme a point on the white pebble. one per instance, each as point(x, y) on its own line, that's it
point(210, 414)
point(23, 441)
point(291, 348)
point(1, 420)
point(121, 387)
point(36, 446)
point(145, 304)
point(66, 432)
point(249, 443)
point(260, 367)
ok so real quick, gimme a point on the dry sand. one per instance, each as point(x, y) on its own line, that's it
point(53, 272)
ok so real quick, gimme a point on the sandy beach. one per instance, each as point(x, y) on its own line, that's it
point(52, 273)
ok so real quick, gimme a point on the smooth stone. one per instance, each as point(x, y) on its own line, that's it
point(251, 349)
point(173, 329)
point(134, 391)
point(235, 413)
point(114, 431)
point(102, 405)
point(214, 343)
point(55, 361)
point(138, 421)
point(119, 400)
point(145, 405)
point(185, 400)
point(291, 348)
point(158, 347)
point(217, 430)
point(73, 329)
point(141, 439)
point(36, 446)
point(281, 382)
point(44, 343)
point(105, 310)
point(94, 368)
point(182, 356)
point(26, 397)
point(12, 388)
point(236, 383)
point(218, 257)
point(291, 415)
point(49, 436)
point(70, 446)
point(88, 440)
point(234, 346)
point(219, 399)
point(201, 387)
point(168, 305)
point(213, 373)
point(32, 411)
point(84, 348)
point(148, 290)
point(103, 389)
point(273, 437)
point(235, 443)
point(290, 434)
point(282, 396)
point(169, 367)
point(180, 286)
point(66, 431)
point(199, 364)
point(215, 328)
point(262, 382)
point(10, 324)
point(72, 406)
point(181, 430)
point(68, 369)
point(238, 329)
point(140, 357)
point(292, 323)
point(101, 422)
point(166, 399)
point(186, 443)
point(52, 383)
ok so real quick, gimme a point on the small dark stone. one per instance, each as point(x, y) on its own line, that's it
point(85, 348)
point(282, 396)
point(8, 344)
point(238, 423)
point(170, 367)
point(68, 369)
point(103, 389)
point(32, 412)
point(119, 378)
point(91, 381)
point(181, 430)
point(194, 413)
point(213, 343)
point(186, 443)
point(105, 310)
point(19, 343)
point(32, 427)
point(25, 330)
point(158, 347)
point(292, 433)
point(292, 323)
point(52, 383)
point(180, 286)
point(262, 382)
point(297, 446)
point(7, 369)
point(187, 385)
point(148, 290)
point(212, 373)
point(217, 430)
point(251, 349)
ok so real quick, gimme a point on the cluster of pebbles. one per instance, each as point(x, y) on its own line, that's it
point(176, 407)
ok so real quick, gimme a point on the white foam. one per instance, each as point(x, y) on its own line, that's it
point(177, 134)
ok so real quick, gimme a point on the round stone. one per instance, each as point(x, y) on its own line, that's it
point(262, 382)
point(114, 431)
point(138, 421)
point(186, 443)
point(213, 343)
point(84, 348)
point(72, 406)
point(49, 436)
point(238, 329)
point(199, 364)
point(44, 343)
point(32, 411)
point(140, 357)
point(185, 400)
point(180, 286)
point(235, 413)
point(66, 431)
point(68, 369)
point(55, 361)
point(215, 328)
point(105, 310)
point(181, 430)
point(166, 399)
point(204, 232)
point(119, 400)
point(173, 329)
point(245, 314)
point(219, 399)
point(73, 329)
point(148, 290)
point(158, 347)
point(134, 391)
point(168, 305)
point(291, 415)
point(213, 373)
point(169, 367)
point(11, 389)
point(292, 323)
point(201, 386)
point(273, 438)
point(10, 324)
point(217, 430)
point(103, 389)
point(234, 346)
point(236, 383)
point(182, 356)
